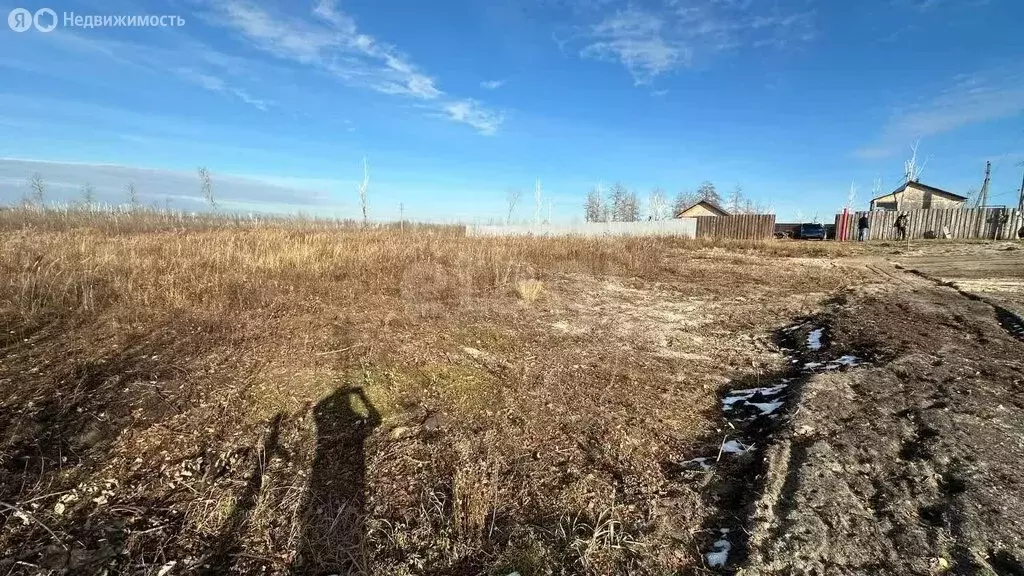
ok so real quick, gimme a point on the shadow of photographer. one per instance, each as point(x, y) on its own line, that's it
point(333, 509)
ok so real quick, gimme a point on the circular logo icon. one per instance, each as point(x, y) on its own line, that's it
point(19, 19)
point(45, 20)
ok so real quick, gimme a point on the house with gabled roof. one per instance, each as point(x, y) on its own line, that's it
point(702, 208)
point(917, 196)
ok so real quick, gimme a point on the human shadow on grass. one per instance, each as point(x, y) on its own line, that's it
point(333, 510)
point(227, 545)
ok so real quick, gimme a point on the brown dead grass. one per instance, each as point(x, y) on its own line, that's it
point(188, 360)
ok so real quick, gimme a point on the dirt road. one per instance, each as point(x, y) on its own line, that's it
point(910, 462)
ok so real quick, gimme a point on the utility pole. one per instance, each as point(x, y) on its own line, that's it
point(401, 216)
point(983, 195)
point(1020, 203)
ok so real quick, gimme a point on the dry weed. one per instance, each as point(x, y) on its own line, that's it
point(529, 290)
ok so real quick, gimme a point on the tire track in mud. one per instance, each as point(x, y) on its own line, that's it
point(754, 408)
point(1011, 322)
point(757, 409)
point(888, 471)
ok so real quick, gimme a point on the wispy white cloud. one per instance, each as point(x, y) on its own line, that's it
point(220, 86)
point(929, 5)
point(329, 40)
point(183, 57)
point(492, 84)
point(971, 99)
point(652, 41)
point(470, 112)
point(636, 38)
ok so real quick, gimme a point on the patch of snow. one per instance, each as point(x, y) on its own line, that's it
point(814, 339)
point(846, 360)
point(812, 365)
point(720, 555)
point(702, 463)
point(728, 402)
point(735, 447)
point(767, 407)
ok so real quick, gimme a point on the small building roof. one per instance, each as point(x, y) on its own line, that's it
point(708, 204)
point(918, 184)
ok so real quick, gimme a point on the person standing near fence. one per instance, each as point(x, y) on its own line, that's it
point(862, 228)
point(901, 227)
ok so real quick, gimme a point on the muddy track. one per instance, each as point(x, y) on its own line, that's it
point(1010, 321)
point(754, 409)
point(908, 463)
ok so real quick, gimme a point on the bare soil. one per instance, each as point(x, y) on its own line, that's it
point(910, 462)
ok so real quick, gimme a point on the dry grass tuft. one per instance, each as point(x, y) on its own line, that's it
point(529, 290)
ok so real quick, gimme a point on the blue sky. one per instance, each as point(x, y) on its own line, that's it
point(455, 102)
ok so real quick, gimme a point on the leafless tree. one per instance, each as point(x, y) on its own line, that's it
point(911, 170)
point(707, 191)
point(133, 195)
point(38, 189)
point(736, 200)
point(625, 205)
point(206, 186)
point(657, 204)
point(683, 201)
point(512, 197)
point(594, 206)
point(88, 195)
point(363, 189)
point(851, 195)
point(972, 196)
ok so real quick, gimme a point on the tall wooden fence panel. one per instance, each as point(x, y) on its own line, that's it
point(739, 227)
point(965, 223)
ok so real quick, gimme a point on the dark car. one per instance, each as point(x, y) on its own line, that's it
point(811, 232)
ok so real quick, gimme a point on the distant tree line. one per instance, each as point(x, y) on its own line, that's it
point(620, 204)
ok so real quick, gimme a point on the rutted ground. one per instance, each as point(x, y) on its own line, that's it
point(909, 463)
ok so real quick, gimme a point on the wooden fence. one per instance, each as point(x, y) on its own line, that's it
point(978, 223)
point(740, 227)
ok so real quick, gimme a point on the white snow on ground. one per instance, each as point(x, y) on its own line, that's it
point(814, 339)
point(847, 360)
point(735, 447)
point(720, 555)
point(766, 407)
point(746, 394)
point(700, 462)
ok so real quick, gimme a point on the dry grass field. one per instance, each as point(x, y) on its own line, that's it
point(204, 396)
